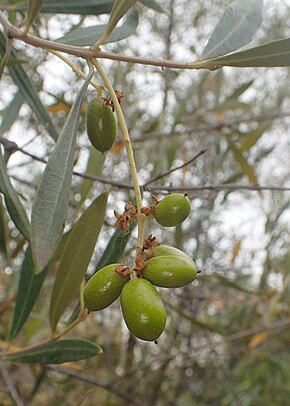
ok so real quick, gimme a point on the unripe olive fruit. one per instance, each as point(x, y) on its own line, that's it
point(101, 125)
point(104, 288)
point(166, 250)
point(169, 271)
point(172, 210)
point(143, 310)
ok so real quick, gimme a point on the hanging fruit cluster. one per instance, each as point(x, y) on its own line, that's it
point(160, 265)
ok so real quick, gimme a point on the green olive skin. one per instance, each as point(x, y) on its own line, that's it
point(104, 288)
point(143, 310)
point(169, 271)
point(172, 210)
point(166, 250)
point(101, 125)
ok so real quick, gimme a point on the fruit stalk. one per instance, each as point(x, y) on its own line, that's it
point(122, 122)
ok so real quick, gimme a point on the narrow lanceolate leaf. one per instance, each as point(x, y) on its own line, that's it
point(86, 7)
point(34, 7)
point(58, 352)
point(16, 210)
point(269, 55)
point(245, 166)
point(11, 113)
point(115, 248)
point(253, 136)
point(28, 91)
point(28, 289)
point(51, 203)
point(76, 257)
point(236, 28)
point(119, 9)
point(89, 35)
point(4, 233)
point(94, 167)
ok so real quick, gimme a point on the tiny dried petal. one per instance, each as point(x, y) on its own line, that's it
point(123, 270)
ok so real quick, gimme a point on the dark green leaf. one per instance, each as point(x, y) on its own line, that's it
point(58, 352)
point(34, 7)
point(28, 91)
point(94, 167)
point(90, 35)
point(271, 54)
point(11, 113)
point(76, 257)
point(115, 248)
point(4, 233)
point(86, 7)
point(50, 206)
point(28, 290)
point(13, 204)
point(240, 90)
point(236, 28)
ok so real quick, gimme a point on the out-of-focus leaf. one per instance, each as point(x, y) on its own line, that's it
point(4, 233)
point(85, 7)
point(28, 289)
point(240, 90)
point(119, 9)
point(58, 352)
point(257, 340)
point(76, 257)
point(28, 91)
point(34, 7)
point(114, 249)
point(236, 250)
point(236, 28)
point(89, 35)
point(218, 279)
point(11, 113)
point(94, 167)
point(271, 54)
point(250, 139)
point(153, 4)
point(50, 206)
point(245, 166)
point(13, 204)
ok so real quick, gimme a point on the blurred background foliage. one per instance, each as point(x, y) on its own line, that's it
point(227, 336)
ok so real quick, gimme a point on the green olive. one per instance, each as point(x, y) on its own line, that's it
point(143, 310)
point(166, 250)
point(172, 210)
point(104, 288)
point(101, 125)
point(169, 271)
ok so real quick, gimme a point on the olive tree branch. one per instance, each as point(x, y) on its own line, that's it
point(89, 53)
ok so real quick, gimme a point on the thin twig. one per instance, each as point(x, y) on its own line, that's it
point(10, 385)
point(88, 53)
point(174, 169)
point(94, 381)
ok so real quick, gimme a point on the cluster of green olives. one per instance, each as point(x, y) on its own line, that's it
point(142, 308)
point(101, 124)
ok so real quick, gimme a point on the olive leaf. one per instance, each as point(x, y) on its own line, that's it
point(57, 352)
point(119, 9)
point(34, 7)
point(76, 257)
point(13, 204)
point(11, 113)
point(28, 289)
point(86, 7)
point(236, 28)
point(89, 35)
point(271, 54)
point(50, 206)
